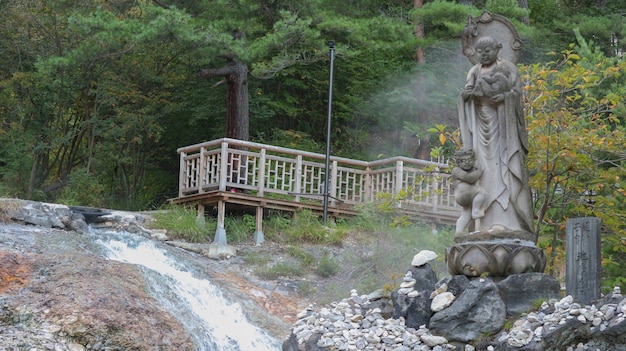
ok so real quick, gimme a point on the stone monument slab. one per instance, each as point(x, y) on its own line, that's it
point(583, 259)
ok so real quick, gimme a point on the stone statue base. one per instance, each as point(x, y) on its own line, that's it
point(494, 254)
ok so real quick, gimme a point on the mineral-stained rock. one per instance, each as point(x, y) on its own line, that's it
point(478, 310)
point(521, 291)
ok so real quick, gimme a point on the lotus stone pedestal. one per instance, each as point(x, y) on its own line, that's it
point(495, 255)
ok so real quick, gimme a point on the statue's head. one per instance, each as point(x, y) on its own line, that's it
point(487, 49)
point(465, 158)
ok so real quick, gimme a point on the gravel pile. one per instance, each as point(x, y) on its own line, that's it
point(354, 324)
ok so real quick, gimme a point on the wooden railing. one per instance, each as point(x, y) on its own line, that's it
point(271, 171)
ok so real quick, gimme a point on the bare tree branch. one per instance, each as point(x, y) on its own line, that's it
point(161, 4)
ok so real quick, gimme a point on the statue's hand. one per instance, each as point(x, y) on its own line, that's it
point(498, 97)
point(466, 94)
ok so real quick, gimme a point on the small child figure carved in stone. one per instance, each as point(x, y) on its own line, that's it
point(467, 192)
point(492, 83)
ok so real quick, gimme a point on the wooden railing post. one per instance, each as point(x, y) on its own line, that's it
point(223, 166)
point(436, 189)
point(202, 171)
point(261, 174)
point(298, 189)
point(399, 177)
point(367, 194)
point(182, 176)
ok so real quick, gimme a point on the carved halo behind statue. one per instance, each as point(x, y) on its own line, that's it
point(495, 26)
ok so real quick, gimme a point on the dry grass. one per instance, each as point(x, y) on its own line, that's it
point(8, 207)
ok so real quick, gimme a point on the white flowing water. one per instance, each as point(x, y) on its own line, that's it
point(215, 323)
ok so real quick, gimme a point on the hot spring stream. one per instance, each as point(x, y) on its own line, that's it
point(215, 323)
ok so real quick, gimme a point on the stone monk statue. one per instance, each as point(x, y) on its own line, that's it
point(494, 233)
point(492, 124)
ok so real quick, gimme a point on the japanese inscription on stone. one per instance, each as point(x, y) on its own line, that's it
point(583, 262)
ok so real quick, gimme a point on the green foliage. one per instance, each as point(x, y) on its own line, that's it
point(442, 19)
point(507, 8)
point(305, 288)
point(576, 161)
point(83, 189)
point(327, 267)
point(554, 24)
point(239, 229)
point(122, 76)
point(182, 223)
point(256, 259)
point(308, 228)
point(613, 267)
point(274, 225)
point(293, 140)
point(305, 258)
point(280, 269)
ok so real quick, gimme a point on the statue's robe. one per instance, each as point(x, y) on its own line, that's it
point(497, 134)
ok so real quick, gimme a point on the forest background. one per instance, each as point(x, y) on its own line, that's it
point(96, 96)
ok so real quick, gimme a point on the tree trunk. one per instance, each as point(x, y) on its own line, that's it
point(238, 108)
point(236, 76)
point(419, 32)
point(33, 176)
point(423, 149)
point(524, 4)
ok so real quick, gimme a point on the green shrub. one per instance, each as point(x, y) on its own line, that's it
point(257, 259)
point(327, 267)
point(275, 225)
point(306, 288)
point(281, 269)
point(305, 258)
point(239, 229)
point(181, 222)
point(83, 189)
point(308, 228)
point(294, 140)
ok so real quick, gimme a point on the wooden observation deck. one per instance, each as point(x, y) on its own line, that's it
point(230, 171)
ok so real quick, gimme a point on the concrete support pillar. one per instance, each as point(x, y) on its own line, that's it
point(259, 237)
point(220, 232)
point(200, 218)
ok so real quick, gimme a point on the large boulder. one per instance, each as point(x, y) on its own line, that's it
point(479, 310)
point(570, 332)
point(612, 338)
point(416, 309)
point(456, 284)
point(521, 291)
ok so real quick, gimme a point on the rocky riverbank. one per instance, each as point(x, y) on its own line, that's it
point(58, 293)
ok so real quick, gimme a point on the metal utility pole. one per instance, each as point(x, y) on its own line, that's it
point(331, 46)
